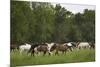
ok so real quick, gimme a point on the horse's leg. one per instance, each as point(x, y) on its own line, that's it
point(63, 52)
point(70, 48)
point(44, 53)
point(32, 53)
point(21, 50)
point(89, 46)
point(56, 52)
point(49, 53)
point(84, 47)
point(28, 52)
point(92, 47)
point(37, 53)
point(79, 47)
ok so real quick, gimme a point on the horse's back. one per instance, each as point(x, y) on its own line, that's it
point(61, 47)
point(69, 44)
point(83, 44)
point(26, 46)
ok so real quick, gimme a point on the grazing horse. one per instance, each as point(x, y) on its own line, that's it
point(70, 45)
point(59, 47)
point(83, 45)
point(25, 47)
point(44, 47)
point(13, 47)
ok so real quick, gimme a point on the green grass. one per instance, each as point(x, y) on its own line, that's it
point(85, 55)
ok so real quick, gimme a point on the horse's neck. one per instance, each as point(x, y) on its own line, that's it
point(27, 44)
point(65, 43)
point(50, 45)
point(77, 43)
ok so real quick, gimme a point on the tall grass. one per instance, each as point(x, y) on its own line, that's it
point(85, 55)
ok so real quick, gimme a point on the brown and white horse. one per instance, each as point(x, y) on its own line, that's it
point(41, 47)
point(59, 47)
point(63, 47)
point(70, 45)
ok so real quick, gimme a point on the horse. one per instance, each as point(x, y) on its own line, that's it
point(33, 46)
point(13, 47)
point(92, 45)
point(70, 45)
point(50, 46)
point(41, 47)
point(81, 45)
point(25, 47)
point(59, 47)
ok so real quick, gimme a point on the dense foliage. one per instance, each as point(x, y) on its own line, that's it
point(42, 22)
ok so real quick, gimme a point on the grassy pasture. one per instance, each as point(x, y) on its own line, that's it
point(84, 55)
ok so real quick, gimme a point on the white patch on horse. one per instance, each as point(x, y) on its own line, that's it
point(69, 44)
point(83, 44)
point(49, 47)
point(35, 49)
point(25, 47)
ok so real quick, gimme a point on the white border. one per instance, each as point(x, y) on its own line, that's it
point(5, 33)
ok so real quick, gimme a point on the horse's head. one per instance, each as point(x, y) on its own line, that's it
point(53, 47)
point(27, 44)
point(77, 44)
point(74, 44)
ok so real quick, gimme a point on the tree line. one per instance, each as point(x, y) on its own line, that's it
point(42, 22)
